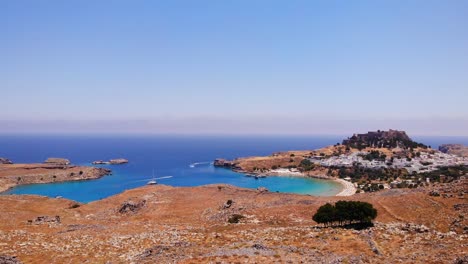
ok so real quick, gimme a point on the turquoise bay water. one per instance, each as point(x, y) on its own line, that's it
point(168, 155)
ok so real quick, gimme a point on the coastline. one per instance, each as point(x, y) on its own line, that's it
point(12, 175)
point(348, 188)
point(41, 173)
point(6, 187)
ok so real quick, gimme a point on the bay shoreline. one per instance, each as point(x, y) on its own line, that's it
point(348, 188)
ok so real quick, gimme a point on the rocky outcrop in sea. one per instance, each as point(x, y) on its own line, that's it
point(111, 162)
point(5, 161)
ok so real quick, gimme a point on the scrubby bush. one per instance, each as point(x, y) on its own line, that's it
point(235, 218)
point(306, 165)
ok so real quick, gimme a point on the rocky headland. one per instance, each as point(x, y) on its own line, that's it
point(372, 161)
point(12, 175)
point(162, 224)
point(455, 149)
point(5, 161)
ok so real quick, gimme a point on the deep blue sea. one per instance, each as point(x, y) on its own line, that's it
point(168, 156)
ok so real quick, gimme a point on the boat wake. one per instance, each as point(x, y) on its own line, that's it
point(159, 178)
point(193, 165)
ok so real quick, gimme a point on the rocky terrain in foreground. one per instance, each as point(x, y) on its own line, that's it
point(162, 224)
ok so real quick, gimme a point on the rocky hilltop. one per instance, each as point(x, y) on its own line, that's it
point(382, 139)
point(162, 224)
point(371, 162)
point(455, 149)
point(373, 146)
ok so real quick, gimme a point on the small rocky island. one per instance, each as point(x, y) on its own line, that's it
point(111, 162)
point(52, 170)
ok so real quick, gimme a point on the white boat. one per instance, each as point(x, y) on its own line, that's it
point(153, 181)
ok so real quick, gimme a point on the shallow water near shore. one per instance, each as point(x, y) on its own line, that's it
point(167, 155)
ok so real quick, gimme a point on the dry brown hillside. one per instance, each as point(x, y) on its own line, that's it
point(162, 224)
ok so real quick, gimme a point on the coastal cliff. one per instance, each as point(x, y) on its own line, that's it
point(12, 175)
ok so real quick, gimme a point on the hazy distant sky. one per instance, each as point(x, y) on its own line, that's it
point(306, 67)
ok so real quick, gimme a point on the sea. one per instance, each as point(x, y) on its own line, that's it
point(181, 160)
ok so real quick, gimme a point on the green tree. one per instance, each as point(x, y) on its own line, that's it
point(325, 214)
point(345, 213)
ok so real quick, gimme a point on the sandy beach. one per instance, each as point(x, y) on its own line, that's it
point(348, 188)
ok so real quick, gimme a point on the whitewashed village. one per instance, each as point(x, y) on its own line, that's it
point(423, 162)
point(371, 162)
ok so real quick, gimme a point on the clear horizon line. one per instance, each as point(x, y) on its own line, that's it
point(246, 134)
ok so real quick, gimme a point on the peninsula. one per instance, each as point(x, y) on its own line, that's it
point(52, 170)
point(454, 149)
point(372, 161)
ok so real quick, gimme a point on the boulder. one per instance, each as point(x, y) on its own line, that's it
point(57, 161)
point(45, 219)
point(259, 247)
point(9, 260)
point(131, 206)
point(227, 204)
point(461, 260)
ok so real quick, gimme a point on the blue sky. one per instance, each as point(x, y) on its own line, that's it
point(280, 67)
